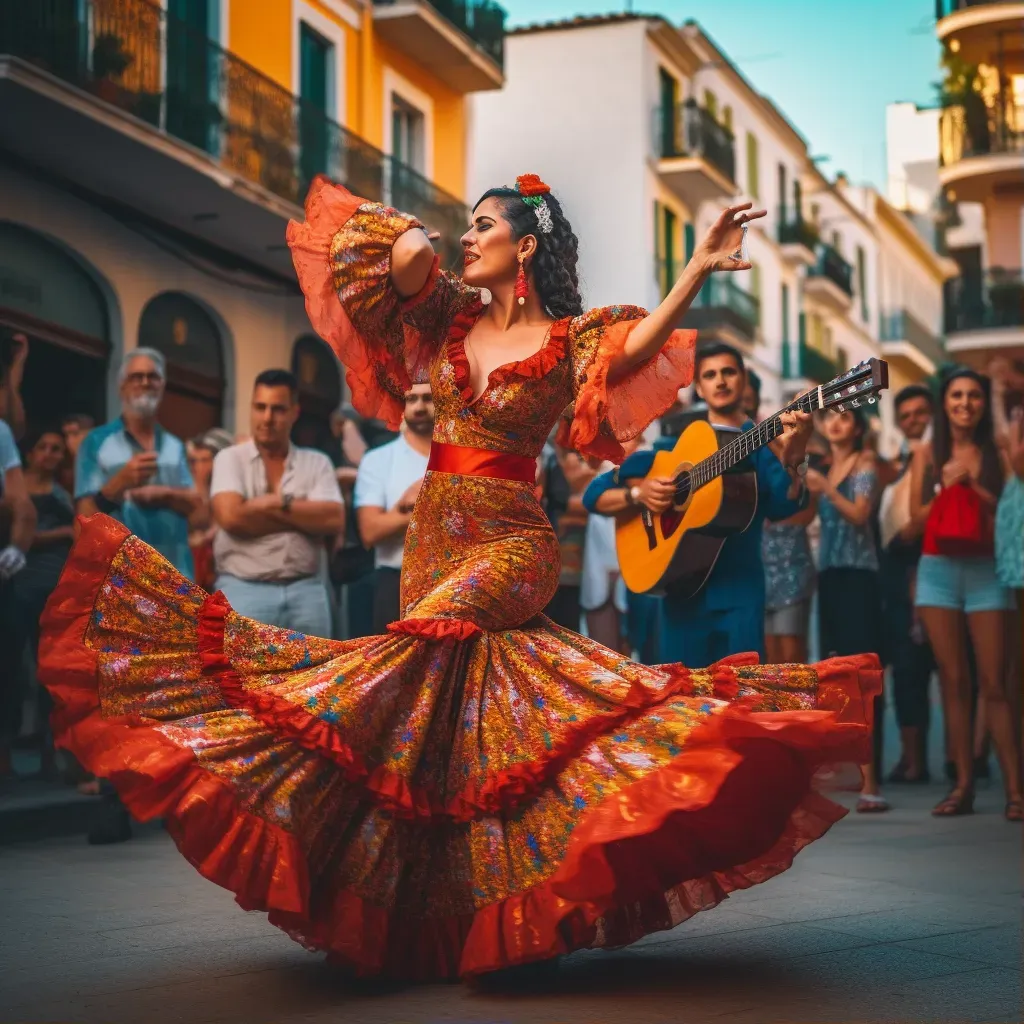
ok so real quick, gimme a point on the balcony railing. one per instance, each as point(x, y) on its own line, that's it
point(943, 8)
point(689, 130)
point(810, 364)
point(796, 230)
point(833, 267)
point(481, 20)
point(980, 130)
point(994, 302)
point(133, 55)
point(904, 326)
point(723, 303)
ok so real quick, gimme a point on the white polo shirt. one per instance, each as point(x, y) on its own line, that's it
point(385, 474)
point(276, 557)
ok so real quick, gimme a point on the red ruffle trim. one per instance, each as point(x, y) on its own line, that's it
point(607, 413)
point(500, 793)
point(541, 363)
point(436, 629)
point(643, 860)
point(328, 208)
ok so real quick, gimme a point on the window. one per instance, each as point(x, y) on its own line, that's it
point(711, 103)
point(315, 55)
point(837, 242)
point(668, 135)
point(753, 187)
point(727, 118)
point(785, 314)
point(408, 134)
point(782, 192)
point(755, 290)
point(798, 200)
point(862, 283)
point(666, 235)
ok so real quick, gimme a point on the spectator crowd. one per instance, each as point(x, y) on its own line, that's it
point(918, 556)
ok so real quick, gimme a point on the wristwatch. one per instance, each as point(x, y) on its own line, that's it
point(286, 502)
point(633, 495)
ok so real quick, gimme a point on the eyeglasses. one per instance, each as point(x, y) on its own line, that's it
point(143, 378)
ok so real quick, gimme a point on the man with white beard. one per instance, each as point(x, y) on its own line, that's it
point(135, 471)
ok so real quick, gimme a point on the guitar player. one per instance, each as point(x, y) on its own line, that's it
point(727, 615)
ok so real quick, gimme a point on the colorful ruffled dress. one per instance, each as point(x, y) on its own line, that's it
point(476, 788)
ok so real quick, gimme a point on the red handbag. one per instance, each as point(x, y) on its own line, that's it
point(959, 524)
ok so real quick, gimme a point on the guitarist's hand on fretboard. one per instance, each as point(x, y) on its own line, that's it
point(790, 445)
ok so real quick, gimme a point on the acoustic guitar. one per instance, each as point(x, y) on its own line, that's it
point(714, 497)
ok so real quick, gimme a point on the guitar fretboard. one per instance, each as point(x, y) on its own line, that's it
point(747, 443)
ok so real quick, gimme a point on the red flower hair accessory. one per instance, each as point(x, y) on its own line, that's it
point(531, 185)
point(533, 191)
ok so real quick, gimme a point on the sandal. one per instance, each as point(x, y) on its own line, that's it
point(956, 803)
point(1014, 810)
point(871, 803)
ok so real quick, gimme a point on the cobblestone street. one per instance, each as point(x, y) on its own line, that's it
point(896, 917)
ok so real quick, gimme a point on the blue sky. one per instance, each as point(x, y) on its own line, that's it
point(830, 65)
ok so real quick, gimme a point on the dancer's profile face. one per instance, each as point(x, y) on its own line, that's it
point(490, 254)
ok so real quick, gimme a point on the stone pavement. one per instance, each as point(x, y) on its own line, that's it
point(894, 917)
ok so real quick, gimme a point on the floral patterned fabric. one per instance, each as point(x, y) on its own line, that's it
point(477, 787)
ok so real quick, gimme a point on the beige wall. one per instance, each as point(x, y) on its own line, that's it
point(258, 330)
point(1004, 212)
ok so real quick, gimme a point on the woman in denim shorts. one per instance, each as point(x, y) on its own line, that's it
point(956, 594)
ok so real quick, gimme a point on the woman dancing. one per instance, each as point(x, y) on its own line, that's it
point(478, 787)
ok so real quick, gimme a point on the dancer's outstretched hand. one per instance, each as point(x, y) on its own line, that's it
point(721, 248)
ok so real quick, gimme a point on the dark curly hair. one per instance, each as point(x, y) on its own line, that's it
point(554, 264)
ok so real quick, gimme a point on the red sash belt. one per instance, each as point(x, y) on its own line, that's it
point(455, 458)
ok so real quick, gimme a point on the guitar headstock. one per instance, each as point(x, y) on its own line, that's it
point(857, 387)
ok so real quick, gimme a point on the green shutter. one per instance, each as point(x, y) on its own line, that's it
point(753, 182)
point(689, 241)
point(862, 283)
point(785, 315)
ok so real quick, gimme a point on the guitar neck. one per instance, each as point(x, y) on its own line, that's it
point(747, 443)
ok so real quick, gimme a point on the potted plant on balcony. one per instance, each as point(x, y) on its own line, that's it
point(110, 60)
point(962, 88)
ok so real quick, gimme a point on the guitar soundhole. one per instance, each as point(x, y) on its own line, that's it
point(671, 519)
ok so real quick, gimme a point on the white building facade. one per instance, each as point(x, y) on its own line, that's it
point(645, 132)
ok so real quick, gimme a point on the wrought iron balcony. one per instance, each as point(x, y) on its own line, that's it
point(943, 8)
point(689, 130)
point(481, 20)
point(903, 328)
point(723, 308)
point(794, 229)
point(832, 267)
point(809, 364)
point(997, 301)
point(135, 56)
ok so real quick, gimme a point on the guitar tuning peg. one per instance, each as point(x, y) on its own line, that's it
point(872, 400)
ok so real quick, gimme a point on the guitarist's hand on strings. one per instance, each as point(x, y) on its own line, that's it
point(791, 444)
point(656, 492)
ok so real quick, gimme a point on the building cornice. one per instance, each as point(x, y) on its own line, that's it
point(713, 54)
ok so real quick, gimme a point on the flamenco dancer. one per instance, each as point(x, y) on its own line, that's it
point(478, 787)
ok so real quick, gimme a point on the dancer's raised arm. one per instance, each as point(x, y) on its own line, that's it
point(720, 250)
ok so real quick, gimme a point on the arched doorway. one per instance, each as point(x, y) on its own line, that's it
point(191, 343)
point(319, 377)
point(48, 296)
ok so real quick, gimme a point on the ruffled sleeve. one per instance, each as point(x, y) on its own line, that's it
point(605, 414)
point(342, 256)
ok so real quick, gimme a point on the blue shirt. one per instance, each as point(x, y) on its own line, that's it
point(9, 457)
point(738, 575)
point(105, 451)
point(842, 545)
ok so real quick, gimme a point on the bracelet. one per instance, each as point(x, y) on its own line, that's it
point(105, 505)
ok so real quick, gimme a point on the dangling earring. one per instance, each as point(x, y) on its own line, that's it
point(522, 285)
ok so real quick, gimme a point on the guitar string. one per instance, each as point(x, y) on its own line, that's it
point(767, 430)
